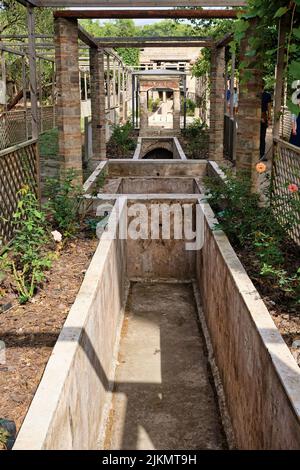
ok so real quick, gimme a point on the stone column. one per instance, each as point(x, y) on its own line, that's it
point(164, 96)
point(249, 115)
point(68, 99)
point(98, 105)
point(176, 111)
point(143, 112)
point(217, 97)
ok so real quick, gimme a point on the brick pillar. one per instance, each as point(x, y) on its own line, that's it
point(143, 112)
point(249, 116)
point(217, 97)
point(68, 100)
point(176, 111)
point(97, 105)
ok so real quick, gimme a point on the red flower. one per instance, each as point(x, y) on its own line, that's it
point(293, 188)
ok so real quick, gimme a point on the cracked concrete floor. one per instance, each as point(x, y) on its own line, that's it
point(163, 397)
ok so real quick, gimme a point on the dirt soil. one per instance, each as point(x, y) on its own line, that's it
point(31, 330)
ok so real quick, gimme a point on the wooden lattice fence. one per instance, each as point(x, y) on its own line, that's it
point(15, 126)
point(19, 166)
point(286, 171)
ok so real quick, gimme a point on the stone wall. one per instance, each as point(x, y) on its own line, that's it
point(261, 379)
point(73, 398)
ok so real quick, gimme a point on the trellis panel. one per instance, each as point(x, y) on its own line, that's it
point(19, 166)
point(286, 171)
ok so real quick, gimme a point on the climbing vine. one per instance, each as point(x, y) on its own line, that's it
point(266, 14)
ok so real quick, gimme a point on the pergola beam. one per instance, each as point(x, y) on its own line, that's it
point(225, 40)
point(134, 3)
point(137, 42)
point(28, 3)
point(145, 14)
point(87, 38)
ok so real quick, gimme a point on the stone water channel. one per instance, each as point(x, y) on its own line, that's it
point(164, 347)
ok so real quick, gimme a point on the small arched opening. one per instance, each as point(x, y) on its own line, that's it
point(159, 154)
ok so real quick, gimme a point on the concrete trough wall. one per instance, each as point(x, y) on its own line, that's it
point(160, 258)
point(147, 144)
point(120, 168)
point(157, 185)
point(260, 377)
point(146, 168)
point(73, 397)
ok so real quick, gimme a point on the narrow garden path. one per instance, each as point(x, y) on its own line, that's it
point(163, 397)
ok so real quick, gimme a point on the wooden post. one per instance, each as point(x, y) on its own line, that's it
point(53, 93)
point(32, 71)
point(40, 97)
point(119, 90)
point(108, 82)
point(232, 85)
point(114, 87)
point(85, 86)
point(279, 82)
point(184, 102)
point(137, 89)
point(24, 82)
point(132, 100)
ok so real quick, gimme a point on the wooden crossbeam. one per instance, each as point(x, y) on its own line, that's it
point(225, 40)
point(146, 14)
point(134, 3)
point(87, 38)
point(137, 42)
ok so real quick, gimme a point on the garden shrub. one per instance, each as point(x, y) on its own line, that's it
point(255, 229)
point(64, 202)
point(26, 257)
point(195, 140)
point(190, 106)
point(122, 142)
point(153, 105)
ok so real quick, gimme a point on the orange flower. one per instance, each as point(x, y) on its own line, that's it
point(260, 167)
point(293, 188)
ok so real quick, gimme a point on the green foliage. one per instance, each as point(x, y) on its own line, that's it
point(263, 46)
point(63, 202)
point(127, 28)
point(116, 28)
point(196, 139)
point(122, 141)
point(4, 436)
point(190, 106)
point(25, 257)
point(166, 28)
point(249, 225)
point(48, 143)
point(153, 105)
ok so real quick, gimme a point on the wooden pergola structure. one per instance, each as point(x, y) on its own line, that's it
point(72, 41)
point(247, 148)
